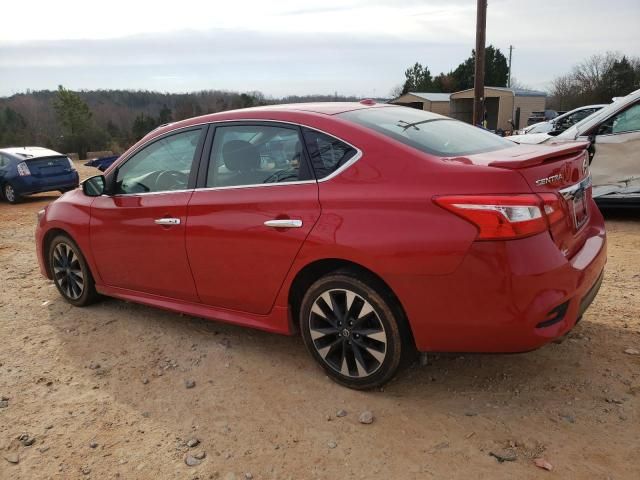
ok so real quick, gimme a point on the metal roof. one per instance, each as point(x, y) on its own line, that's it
point(432, 97)
point(518, 92)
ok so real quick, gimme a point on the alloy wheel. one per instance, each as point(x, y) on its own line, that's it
point(9, 193)
point(67, 271)
point(347, 333)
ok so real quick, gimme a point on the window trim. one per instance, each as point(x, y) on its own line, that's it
point(206, 153)
point(113, 174)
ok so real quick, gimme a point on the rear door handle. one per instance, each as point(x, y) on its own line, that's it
point(284, 223)
point(167, 221)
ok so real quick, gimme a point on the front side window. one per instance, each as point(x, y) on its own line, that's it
point(427, 131)
point(256, 154)
point(162, 166)
point(327, 153)
point(625, 121)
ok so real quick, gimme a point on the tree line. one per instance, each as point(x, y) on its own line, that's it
point(115, 119)
point(95, 120)
point(598, 79)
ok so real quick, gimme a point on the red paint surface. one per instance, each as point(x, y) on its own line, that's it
point(459, 294)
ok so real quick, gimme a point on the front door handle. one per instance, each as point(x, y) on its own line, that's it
point(167, 221)
point(284, 223)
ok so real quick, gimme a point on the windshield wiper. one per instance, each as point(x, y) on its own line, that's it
point(414, 124)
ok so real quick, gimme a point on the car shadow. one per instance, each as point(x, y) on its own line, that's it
point(620, 214)
point(132, 342)
point(37, 198)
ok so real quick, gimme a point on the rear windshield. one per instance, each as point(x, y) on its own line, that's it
point(428, 132)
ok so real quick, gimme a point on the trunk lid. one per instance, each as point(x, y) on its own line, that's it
point(48, 166)
point(562, 170)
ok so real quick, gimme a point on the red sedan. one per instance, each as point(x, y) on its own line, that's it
point(377, 231)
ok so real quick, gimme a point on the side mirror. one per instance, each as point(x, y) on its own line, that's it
point(94, 186)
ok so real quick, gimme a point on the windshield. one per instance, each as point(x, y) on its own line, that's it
point(427, 131)
point(542, 127)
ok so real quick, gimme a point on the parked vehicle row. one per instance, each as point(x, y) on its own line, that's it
point(376, 230)
point(562, 122)
point(614, 132)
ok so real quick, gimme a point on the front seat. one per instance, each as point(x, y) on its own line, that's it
point(242, 158)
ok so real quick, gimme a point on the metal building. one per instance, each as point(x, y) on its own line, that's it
point(432, 102)
point(506, 108)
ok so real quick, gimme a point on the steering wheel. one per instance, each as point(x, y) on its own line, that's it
point(170, 179)
point(281, 175)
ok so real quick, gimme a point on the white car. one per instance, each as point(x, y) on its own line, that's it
point(615, 135)
point(561, 122)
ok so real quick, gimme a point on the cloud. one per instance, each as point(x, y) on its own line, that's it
point(357, 47)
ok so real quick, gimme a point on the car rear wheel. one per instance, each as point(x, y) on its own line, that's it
point(10, 194)
point(70, 272)
point(353, 330)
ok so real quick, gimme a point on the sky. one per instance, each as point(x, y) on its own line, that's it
point(282, 47)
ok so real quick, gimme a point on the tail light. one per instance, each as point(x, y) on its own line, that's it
point(502, 217)
point(23, 169)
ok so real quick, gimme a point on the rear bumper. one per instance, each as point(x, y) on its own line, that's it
point(29, 185)
point(506, 296)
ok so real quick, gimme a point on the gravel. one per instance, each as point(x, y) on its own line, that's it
point(192, 461)
point(366, 417)
point(193, 442)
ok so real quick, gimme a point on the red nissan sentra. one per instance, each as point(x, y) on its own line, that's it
point(378, 231)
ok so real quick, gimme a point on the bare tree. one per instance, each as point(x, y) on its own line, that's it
point(595, 80)
point(396, 91)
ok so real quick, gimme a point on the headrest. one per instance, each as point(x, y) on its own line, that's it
point(240, 156)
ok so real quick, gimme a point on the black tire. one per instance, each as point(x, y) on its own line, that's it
point(339, 342)
point(70, 272)
point(9, 194)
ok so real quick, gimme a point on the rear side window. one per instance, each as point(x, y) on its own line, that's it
point(427, 132)
point(244, 155)
point(327, 153)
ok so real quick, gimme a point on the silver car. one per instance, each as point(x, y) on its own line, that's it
point(562, 122)
point(615, 163)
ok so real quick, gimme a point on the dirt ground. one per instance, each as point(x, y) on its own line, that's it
point(101, 392)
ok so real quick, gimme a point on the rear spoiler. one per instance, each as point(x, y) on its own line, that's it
point(536, 157)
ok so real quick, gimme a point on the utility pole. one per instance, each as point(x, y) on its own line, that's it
point(478, 82)
point(509, 77)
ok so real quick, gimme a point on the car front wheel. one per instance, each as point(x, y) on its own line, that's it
point(70, 272)
point(10, 194)
point(353, 330)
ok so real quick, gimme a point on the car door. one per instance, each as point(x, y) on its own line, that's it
point(616, 159)
point(257, 204)
point(137, 233)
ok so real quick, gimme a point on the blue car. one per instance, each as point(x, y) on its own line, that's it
point(28, 170)
point(102, 163)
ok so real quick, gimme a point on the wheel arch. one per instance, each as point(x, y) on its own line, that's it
point(311, 272)
point(46, 243)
